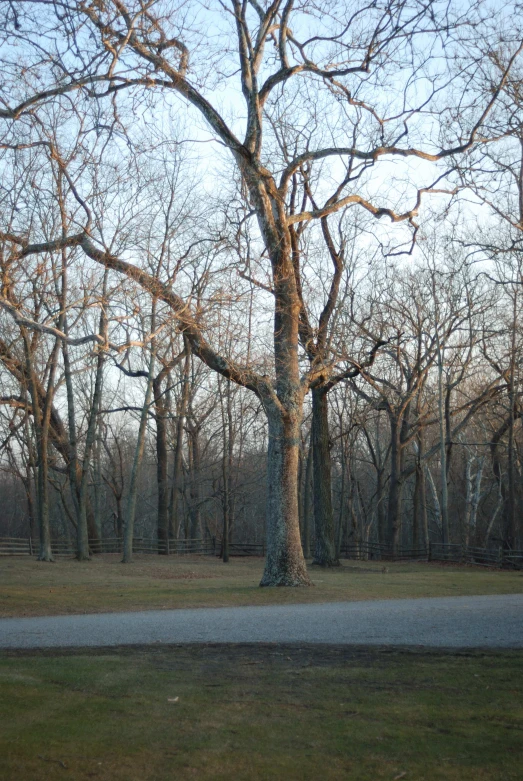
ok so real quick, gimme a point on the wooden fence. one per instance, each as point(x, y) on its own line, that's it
point(15, 546)
point(486, 557)
point(373, 550)
point(461, 554)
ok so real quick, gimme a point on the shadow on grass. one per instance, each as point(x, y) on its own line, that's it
point(260, 712)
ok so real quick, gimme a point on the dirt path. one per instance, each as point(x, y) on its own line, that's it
point(449, 622)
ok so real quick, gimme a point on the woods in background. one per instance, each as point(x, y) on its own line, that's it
point(261, 276)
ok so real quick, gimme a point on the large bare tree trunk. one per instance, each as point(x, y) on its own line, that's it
point(285, 565)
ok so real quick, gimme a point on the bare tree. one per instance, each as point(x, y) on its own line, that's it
point(103, 52)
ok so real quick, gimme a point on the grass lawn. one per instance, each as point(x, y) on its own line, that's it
point(32, 588)
point(260, 712)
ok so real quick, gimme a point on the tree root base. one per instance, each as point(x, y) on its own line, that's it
point(285, 580)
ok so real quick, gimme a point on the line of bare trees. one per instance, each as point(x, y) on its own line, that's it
point(261, 254)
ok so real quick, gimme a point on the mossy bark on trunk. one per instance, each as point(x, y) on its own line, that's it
point(285, 564)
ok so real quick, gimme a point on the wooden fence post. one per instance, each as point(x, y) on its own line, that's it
point(429, 555)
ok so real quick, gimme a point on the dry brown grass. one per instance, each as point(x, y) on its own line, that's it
point(32, 588)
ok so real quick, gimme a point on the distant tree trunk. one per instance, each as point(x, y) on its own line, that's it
point(435, 498)
point(395, 487)
point(354, 523)
point(194, 529)
point(307, 503)
point(416, 501)
point(82, 541)
point(138, 455)
point(119, 516)
point(444, 504)
point(174, 519)
point(30, 505)
point(97, 479)
point(87, 526)
point(493, 517)
point(420, 520)
point(325, 548)
point(468, 500)
point(116, 484)
point(41, 423)
point(510, 524)
point(227, 467)
point(162, 464)
point(341, 511)
point(28, 478)
point(424, 521)
point(226, 504)
point(377, 461)
point(497, 469)
point(301, 485)
point(381, 506)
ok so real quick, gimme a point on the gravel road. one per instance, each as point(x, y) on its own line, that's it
point(451, 622)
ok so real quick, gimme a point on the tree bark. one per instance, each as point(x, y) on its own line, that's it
point(285, 565)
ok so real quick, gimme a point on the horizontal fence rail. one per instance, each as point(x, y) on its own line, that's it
point(364, 551)
point(459, 554)
point(20, 546)
point(369, 551)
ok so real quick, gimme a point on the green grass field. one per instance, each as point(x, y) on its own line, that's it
point(32, 588)
point(264, 712)
point(251, 712)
